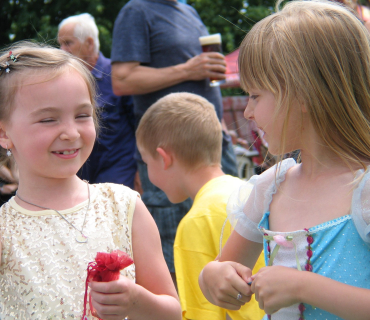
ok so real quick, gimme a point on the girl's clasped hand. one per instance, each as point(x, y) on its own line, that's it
point(227, 280)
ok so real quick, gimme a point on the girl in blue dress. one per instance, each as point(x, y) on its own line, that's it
point(307, 71)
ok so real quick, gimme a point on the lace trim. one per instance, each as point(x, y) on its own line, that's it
point(330, 223)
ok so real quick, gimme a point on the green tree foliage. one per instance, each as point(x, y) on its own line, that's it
point(39, 19)
point(231, 18)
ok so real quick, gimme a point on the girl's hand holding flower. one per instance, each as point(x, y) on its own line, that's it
point(114, 300)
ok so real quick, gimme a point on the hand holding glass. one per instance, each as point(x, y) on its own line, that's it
point(212, 43)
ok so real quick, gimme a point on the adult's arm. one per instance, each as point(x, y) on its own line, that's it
point(131, 78)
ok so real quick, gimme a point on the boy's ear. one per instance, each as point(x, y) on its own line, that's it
point(166, 157)
point(5, 141)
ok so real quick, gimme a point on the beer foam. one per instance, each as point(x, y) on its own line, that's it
point(211, 39)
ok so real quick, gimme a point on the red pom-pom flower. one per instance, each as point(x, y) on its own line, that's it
point(105, 268)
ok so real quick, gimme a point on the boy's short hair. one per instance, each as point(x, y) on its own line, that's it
point(186, 124)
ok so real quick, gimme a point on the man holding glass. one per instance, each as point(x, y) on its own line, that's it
point(156, 51)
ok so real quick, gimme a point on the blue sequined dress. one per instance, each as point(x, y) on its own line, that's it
point(338, 249)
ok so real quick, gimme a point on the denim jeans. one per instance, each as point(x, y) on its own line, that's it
point(228, 159)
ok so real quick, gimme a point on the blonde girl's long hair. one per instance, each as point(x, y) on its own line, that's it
point(317, 53)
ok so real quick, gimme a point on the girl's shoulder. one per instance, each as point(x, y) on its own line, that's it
point(360, 208)
point(264, 185)
point(117, 195)
point(246, 206)
point(113, 190)
point(274, 175)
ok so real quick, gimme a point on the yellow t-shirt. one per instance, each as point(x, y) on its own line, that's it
point(197, 243)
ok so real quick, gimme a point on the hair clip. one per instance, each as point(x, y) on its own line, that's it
point(12, 57)
point(6, 67)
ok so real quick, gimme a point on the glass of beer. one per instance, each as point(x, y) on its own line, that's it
point(212, 43)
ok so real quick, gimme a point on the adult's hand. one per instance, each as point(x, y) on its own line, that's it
point(132, 78)
point(205, 65)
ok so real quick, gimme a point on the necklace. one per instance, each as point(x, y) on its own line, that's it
point(81, 238)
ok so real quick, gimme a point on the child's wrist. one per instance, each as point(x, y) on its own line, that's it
point(300, 283)
point(135, 296)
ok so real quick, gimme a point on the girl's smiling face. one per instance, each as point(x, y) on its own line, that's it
point(261, 108)
point(51, 130)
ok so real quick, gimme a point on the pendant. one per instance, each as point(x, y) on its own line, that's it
point(81, 238)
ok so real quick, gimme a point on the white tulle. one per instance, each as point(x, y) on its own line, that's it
point(360, 209)
point(246, 207)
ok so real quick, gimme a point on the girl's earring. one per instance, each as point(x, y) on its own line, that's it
point(8, 151)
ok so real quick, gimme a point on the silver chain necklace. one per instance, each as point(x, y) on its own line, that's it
point(81, 238)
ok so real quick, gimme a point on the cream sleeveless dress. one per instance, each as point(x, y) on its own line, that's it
point(43, 267)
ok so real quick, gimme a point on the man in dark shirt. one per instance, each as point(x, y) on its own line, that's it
point(156, 51)
point(112, 159)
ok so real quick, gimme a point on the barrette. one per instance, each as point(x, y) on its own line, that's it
point(6, 67)
point(12, 57)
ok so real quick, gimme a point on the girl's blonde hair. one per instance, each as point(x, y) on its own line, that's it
point(317, 54)
point(33, 59)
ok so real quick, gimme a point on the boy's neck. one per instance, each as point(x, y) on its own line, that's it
point(195, 180)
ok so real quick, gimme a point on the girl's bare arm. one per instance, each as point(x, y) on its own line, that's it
point(153, 296)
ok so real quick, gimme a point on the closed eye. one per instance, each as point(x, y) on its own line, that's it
point(253, 97)
point(84, 115)
point(47, 120)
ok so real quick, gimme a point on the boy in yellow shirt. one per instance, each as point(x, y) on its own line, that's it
point(179, 138)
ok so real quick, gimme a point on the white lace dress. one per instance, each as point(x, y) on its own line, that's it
point(43, 268)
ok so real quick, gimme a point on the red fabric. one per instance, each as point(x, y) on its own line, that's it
point(232, 62)
point(105, 268)
point(232, 72)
